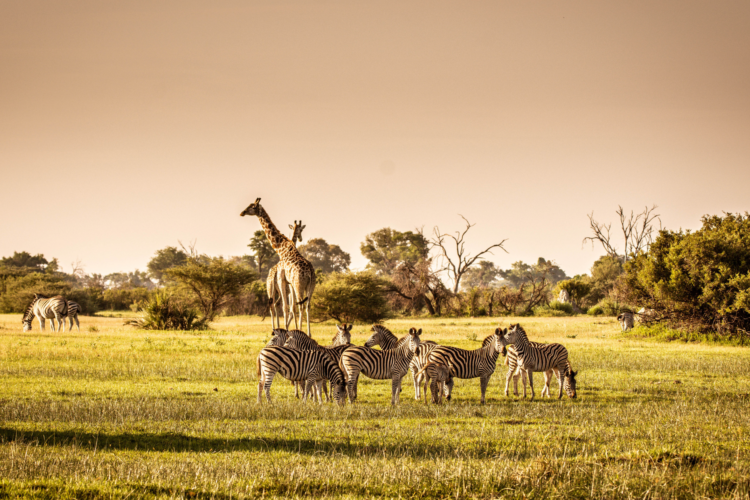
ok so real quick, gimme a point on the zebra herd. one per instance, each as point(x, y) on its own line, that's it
point(55, 308)
point(300, 359)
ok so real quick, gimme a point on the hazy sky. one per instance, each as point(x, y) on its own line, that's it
point(127, 126)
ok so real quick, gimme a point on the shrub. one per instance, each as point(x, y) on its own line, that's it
point(120, 299)
point(610, 307)
point(351, 297)
point(555, 308)
point(596, 310)
point(163, 312)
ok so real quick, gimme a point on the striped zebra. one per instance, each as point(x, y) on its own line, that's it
point(311, 367)
point(627, 320)
point(472, 364)
point(278, 337)
point(380, 365)
point(543, 358)
point(442, 380)
point(73, 310)
point(299, 340)
point(272, 287)
point(43, 307)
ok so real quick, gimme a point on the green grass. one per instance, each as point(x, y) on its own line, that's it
point(121, 413)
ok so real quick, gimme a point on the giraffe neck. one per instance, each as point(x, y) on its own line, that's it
point(275, 237)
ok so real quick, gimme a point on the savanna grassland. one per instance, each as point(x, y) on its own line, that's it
point(113, 412)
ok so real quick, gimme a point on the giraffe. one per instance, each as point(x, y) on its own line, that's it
point(272, 287)
point(294, 269)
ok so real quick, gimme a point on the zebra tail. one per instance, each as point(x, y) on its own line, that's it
point(257, 363)
point(303, 301)
point(420, 372)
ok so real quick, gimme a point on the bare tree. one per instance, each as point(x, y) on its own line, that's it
point(457, 265)
point(637, 231)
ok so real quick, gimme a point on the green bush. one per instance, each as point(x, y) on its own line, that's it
point(555, 308)
point(163, 312)
point(596, 310)
point(120, 299)
point(611, 307)
point(351, 297)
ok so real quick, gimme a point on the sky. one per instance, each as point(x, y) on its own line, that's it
point(126, 127)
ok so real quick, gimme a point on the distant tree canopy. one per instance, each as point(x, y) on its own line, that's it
point(386, 249)
point(135, 279)
point(520, 273)
point(698, 280)
point(164, 259)
point(482, 275)
point(604, 274)
point(25, 259)
point(325, 257)
point(263, 253)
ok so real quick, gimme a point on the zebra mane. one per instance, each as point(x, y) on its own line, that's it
point(382, 329)
point(487, 340)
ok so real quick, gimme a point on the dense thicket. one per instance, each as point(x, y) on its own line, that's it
point(697, 280)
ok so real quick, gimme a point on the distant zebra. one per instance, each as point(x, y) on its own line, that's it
point(442, 380)
point(386, 364)
point(541, 359)
point(341, 341)
point(472, 364)
point(311, 367)
point(73, 310)
point(627, 320)
point(43, 307)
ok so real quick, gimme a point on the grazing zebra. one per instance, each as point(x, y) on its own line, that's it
point(386, 364)
point(472, 364)
point(73, 310)
point(43, 307)
point(311, 367)
point(299, 340)
point(442, 380)
point(272, 286)
point(541, 359)
point(627, 320)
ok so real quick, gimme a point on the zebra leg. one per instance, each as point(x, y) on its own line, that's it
point(60, 323)
point(351, 386)
point(417, 381)
point(547, 380)
point(78, 325)
point(559, 375)
point(483, 381)
point(309, 389)
point(324, 385)
point(531, 383)
point(267, 385)
point(426, 383)
point(260, 388)
point(395, 390)
point(507, 382)
point(41, 323)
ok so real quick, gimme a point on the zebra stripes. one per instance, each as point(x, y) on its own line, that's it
point(471, 364)
point(420, 360)
point(540, 359)
point(386, 364)
point(73, 310)
point(43, 307)
point(442, 380)
point(311, 367)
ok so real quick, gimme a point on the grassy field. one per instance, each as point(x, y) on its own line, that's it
point(113, 412)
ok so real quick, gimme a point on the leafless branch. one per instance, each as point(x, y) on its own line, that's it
point(637, 232)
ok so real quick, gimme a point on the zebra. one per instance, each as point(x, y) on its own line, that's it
point(312, 367)
point(541, 359)
point(73, 310)
point(472, 364)
point(442, 380)
point(627, 320)
point(511, 361)
point(299, 340)
point(386, 364)
point(278, 337)
point(272, 287)
point(44, 307)
point(420, 360)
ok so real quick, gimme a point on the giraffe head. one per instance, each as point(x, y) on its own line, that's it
point(297, 231)
point(252, 209)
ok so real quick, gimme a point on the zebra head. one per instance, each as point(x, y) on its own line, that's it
point(252, 209)
point(569, 382)
point(28, 315)
point(27, 325)
point(500, 340)
point(339, 392)
point(379, 334)
point(414, 338)
point(343, 335)
point(512, 334)
point(278, 337)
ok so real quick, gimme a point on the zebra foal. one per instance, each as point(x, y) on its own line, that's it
point(442, 380)
point(380, 365)
point(311, 367)
point(471, 364)
point(534, 357)
point(43, 307)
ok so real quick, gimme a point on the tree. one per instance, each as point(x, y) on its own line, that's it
point(263, 253)
point(698, 280)
point(25, 259)
point(135, 279)
point(386, 249)
point(637, 232)
point(416, 285)
point(459, 264)
point(324, 256)
point(164, 259)
point(520, 273)
point(604, 274)
point(214, 282)
point(577, 288)
point(351, 297)
point(483, 275)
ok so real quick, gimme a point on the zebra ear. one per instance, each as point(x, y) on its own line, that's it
point(419, 332)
